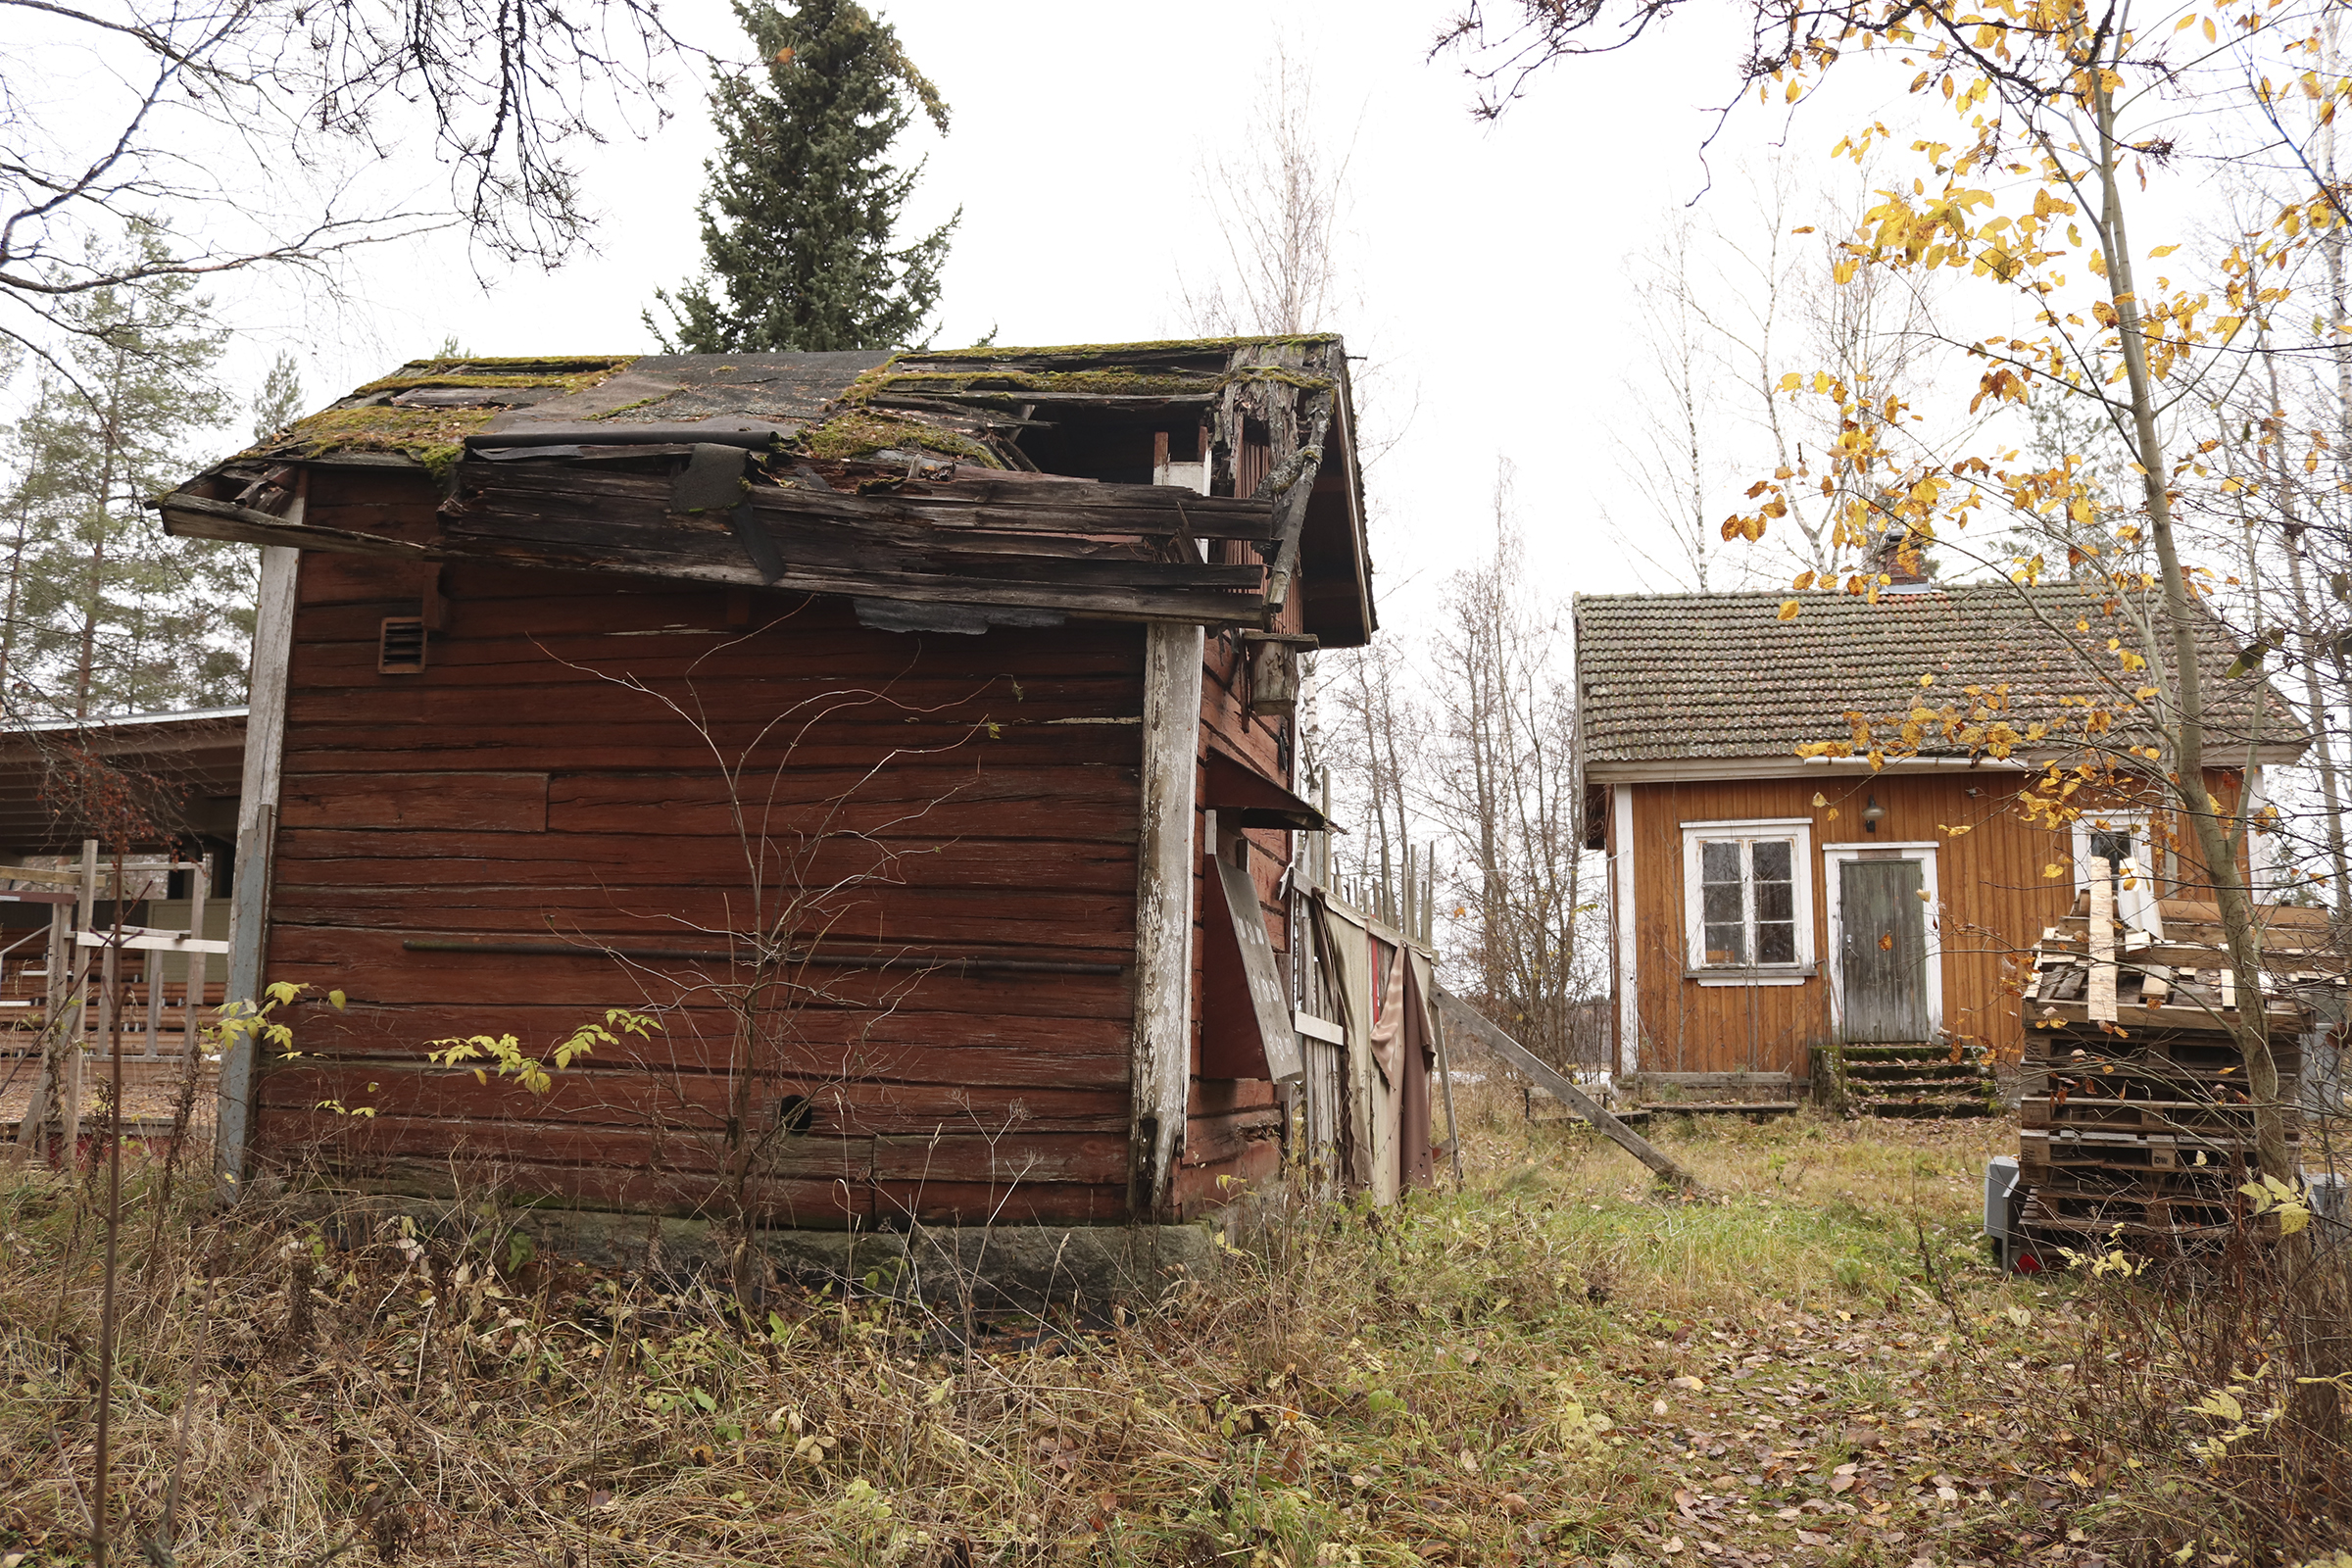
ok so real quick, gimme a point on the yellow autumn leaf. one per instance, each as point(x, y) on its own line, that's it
point(2162, 251)
point(1789, 610)
point(2053, 869)
point(1805, 580)
point(1820, 799)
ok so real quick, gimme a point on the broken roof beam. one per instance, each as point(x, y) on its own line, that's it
point(872, 546)
point(1553, 1083)
point(1290, 488)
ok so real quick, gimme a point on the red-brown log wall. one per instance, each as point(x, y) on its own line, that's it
point(560, 772)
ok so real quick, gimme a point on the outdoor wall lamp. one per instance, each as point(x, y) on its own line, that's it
point(1871, 815)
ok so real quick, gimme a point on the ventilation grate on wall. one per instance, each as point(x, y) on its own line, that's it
point(400, 645)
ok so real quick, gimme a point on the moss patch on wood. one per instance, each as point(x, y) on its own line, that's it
point(435, 438)
point(569, 373)
point(857, 433)
point(1158, 347)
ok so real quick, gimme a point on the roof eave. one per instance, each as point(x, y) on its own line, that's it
point(1685, 769)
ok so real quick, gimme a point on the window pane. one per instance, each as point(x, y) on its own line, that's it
point(1727, 944)
point(1776, 942)
point(1719, 863)
point(1771, 860)
point(1776, 901)
point(1719, 904)
point(2113, 846)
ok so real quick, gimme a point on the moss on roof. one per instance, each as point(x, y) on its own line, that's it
point(367, 421)
point(1000, 384)
point(1204, 345)
point(573, 372)
point(1010, 383)
point(858, 432)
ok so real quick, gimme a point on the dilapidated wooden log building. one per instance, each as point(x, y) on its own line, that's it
point(912, 736)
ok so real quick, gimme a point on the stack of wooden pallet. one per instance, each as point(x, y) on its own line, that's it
point(2137, 1109)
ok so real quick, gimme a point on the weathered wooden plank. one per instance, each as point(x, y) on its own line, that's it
point(1083, 507)
point(466, 801)
point(789, 710)
point(1269, 997)
point(810, 1204)
point(366, 1139)
point(563, 859)
point(858, 546)
point(1005, 1158)
point(702, 1101)
point(686, 544)
point(257, 840)
point(1559, 1088)
point(478, 744)
point(1226, 1136)
point(372, 967)
point(1037, 922)
point(1035, 816)
point(1164, 901)
point(1639, 1082)
point(994, 1050)
point(709, 660)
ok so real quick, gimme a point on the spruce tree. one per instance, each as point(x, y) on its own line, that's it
point(803, 203)
point(105, 612)
point(279, 402)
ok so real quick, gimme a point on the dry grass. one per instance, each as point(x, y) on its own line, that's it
point(1813, 1366)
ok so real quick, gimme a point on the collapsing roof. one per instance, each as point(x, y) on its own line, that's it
point(1670, 677)
point(1003, 484)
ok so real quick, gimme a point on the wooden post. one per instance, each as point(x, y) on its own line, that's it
point(257, 831)
point(1159, 1075)
point(151, 970)
point(1621, 930)
point(52, 1036)
point(1453, 1128)
point(88, 910)
point(191, 1036)
point(2099, 991)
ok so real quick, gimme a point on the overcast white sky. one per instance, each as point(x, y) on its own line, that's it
point(1487, 280)
point(1486, 264)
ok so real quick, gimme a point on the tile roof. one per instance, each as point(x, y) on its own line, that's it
point(1677, 676)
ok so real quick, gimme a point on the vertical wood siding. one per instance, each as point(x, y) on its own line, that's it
point(1994, 902)
point(958, 795)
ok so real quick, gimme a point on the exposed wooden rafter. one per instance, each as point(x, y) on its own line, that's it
point(1078, 548)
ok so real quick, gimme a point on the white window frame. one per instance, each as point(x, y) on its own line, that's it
point(1834, 855)
point(1799, 831)
point(2136, 906)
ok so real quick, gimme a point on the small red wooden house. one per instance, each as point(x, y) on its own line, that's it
point(1767, 897)
point(911, 735)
